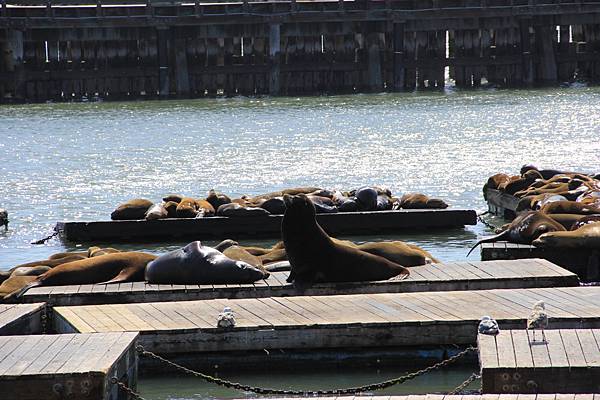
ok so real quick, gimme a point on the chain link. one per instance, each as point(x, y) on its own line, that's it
point(126, 389)
point(466, 383)
point(344, 391)
point(483, 221)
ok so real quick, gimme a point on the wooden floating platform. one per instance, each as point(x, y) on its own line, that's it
point(501, 204)
point(21, 319)
point(583, 262)
point(71, 366)
point(350, 223)
point(569, 361)
point(328, 322)
point(432, 277)
point(561, 396)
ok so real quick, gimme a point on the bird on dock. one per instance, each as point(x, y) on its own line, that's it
point(488, 326)
point(538, 319)
point(4, 218)
point(226, 319)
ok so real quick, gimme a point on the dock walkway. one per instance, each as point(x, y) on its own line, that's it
point(432, 277)
point(73, 366)
point(348, 223)
point(21, 319)
point(344, 321)
point(568, 361)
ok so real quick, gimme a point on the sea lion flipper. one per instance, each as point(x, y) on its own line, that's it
point(20, 292)
point(489, 239)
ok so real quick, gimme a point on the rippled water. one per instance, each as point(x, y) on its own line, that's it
point(78, 161)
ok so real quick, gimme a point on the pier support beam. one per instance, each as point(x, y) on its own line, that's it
point(544, 37)
point(274, 58)
point(526, 56)
point(162, 37)
point(12, 59)
point(399, 70)
point(375, 81)
point(182, 78)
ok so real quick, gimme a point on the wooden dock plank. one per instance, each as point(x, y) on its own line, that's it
point(20, 318)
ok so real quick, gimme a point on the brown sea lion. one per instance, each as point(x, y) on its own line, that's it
point(315, 257)
point(569, 207)
point(420, 200)
point(187, 208)
point(15, 284)
point(68, 253)
point(524, 229)
point(496, 180)
point(275, 255)
point(132, 209)
point(588, 237)
point(30, 271)
point(233, 250)
point(290, 191)
point(398, 252)
point(205, 209)
point(108, 268)
point(217, 199)
point(157, 211)
point(95, 251)
point(53, 262)
point(585, 220)
point(567, 220)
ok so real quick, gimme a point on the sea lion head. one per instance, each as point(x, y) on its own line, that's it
point(532, 175)
point(225, 244)
point(528, 167)
point(299, 204)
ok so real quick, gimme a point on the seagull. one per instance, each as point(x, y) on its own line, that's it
point(226, 319)
point(488, 326)
point(538, 319)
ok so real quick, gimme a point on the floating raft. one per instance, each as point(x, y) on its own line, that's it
point(71, 366)
point(501, 204)
point(453, 397)
point(21, 319)
point(431, 277)
point(349, 223)
point(583, 262)
point(327, 322)
point(512, 362)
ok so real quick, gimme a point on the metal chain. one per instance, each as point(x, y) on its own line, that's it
point(466, 383)
point(126, 389)
point(351, 390)
point(483, 221)
point(44, 240)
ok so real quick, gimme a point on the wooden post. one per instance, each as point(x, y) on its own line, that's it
point(162, 44)
point(399, 70)
point(13, 61)
point(375, 81)
point(182, 78)
point(526, 57)
point(548, 70)
point(274, 58)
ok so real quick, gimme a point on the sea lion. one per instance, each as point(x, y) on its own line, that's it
point(585, 220)
point(384, 202)
point(205, 209)
point(420, 200)
point(195, 264)
point(569, 207)
point(322, 193)
point(588, 236)
point(232, 249)
point(315, 257)
point(132, 209)
point(398, 252)
point(235, 210)
point(95, 251)
point(217, 199)
point(15, 284)
point(187, 208)
point(280, 193)
point(53, 262)
point(323, 205)
point(344, 203)
point(544, 173)
point(109, 268)
point(366, 197)
point(4, 218)
point(275, 255)
point(516, 184)
point(171, 208)
point(567, 220)
point(274, 205)
point(495, 181)
point(524, 229)
point(68, 253)
point(157, 211)
point(176, 198)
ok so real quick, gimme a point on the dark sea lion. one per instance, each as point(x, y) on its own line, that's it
point(176, 198)
point(366, 197)
point(323, 205)
point(524, 229)
point(344, 203)
point(108, 268)
point(195, 264)
point(15, 284)
point(187, 208)
point(171, 208)
point(157, 211)
point(274, 205)
point(383, 202)
point(521, 183)
point(235, 210)
point(585, 220)
point(315, 257)
point(217, 199)
point(544, 173)
point(322, 193)
point(588, 237)
point(132, 209)
point(569, 207)
point(280, 193)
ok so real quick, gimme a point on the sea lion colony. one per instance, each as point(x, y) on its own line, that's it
point(556, 208)
point(313, 257)
point(373, 198)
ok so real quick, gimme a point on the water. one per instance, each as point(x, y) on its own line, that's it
point(78, 161)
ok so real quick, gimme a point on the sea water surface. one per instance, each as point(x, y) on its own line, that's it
point(78, 161)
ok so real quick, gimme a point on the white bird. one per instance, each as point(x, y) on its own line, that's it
point(488, 326)
point(226, 319)
point(538, 319)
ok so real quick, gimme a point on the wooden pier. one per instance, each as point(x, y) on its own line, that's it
point(64, 50)
point(328, 322)
point(561, 396)
point(350, 223)
point(512, 362)
point(432, 277)
point(21, 319)
point(501, 204)
point(70, 366)
point(583, 262)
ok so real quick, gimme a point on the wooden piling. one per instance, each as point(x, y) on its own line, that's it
point(274, 58)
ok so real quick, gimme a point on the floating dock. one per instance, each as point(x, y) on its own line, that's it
point(21, 319)
point(512, 362)
point(583, 262)
point(329, 322)
point(350, 223)
point(562, 396)
point(501, 204)
point(431, 277)
point(70, 366)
